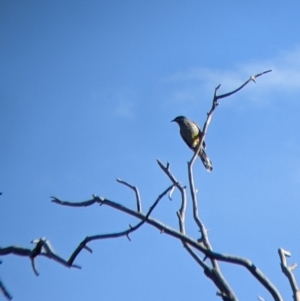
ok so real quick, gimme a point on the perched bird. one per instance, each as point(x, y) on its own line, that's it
point(191, 134)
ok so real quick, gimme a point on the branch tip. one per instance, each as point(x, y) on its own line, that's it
point(5, 291)
point(88, 249)
point(33, 267)
point(252, 78)
point(293, 266)
point(170, 193)
point(55, 200)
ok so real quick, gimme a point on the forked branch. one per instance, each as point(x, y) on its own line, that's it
point(193, 247)
point(199, 223)
point(126, 233)
point(214, 105)
point(44, 248)
point(288, 272)
point(137, 194)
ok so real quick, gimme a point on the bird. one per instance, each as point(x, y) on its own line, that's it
point(191, 134)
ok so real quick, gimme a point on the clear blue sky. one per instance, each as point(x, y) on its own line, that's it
point(88, 89)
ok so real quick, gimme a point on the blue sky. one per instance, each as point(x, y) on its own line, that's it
point(87, 93)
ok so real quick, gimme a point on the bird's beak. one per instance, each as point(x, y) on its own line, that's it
point(173, 120)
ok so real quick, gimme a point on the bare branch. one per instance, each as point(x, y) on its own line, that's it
point(15, 250)
point(126, 233)
point(202, 135)
point(287, 271)
point(227, 293)
point(183, 238)
point(171, 193)
point(224, 290)
point(252, 78)
point(44, 248)
point(4, 291)
point(195, 256)
point(214, 106)
point(33, 266)
point(181, 212)
point(202, 138)
point(162, 228)
point(215, 275)
point(45, 251)
point(137, 194)
point(78, 204)
point(256, 272)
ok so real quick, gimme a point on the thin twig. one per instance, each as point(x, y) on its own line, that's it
point(181, 212)
point(252, 78)
point(137, 194)
point(288, 272)
point(4, 291)
point(224, 290)
point(76, 204)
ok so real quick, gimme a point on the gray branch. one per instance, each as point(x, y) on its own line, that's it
point(182, 237)
point(4, 291)
point(43, 247)
point(137, 194)
point(126, 233)
point(199, 223)
point(181, 211)
point(288, 272)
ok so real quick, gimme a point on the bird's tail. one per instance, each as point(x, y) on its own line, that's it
point(205, 160)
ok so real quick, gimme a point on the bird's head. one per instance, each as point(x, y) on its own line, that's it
point(179, 119)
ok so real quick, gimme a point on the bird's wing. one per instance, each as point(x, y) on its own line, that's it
point(187, 142)
point(203, 144)
point(194, 143)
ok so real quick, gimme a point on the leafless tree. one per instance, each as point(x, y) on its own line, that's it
point(199, 248)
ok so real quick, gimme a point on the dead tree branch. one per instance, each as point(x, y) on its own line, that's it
point(288, 272)
point(182, 237)
point(181, 211)
point(215, 103)
point(224, 289)
point(4, 291)
point(137, 194)
point(126, 233)
point(204, 237)
point(162, 228)
point(202, 245)
point(43, 247)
